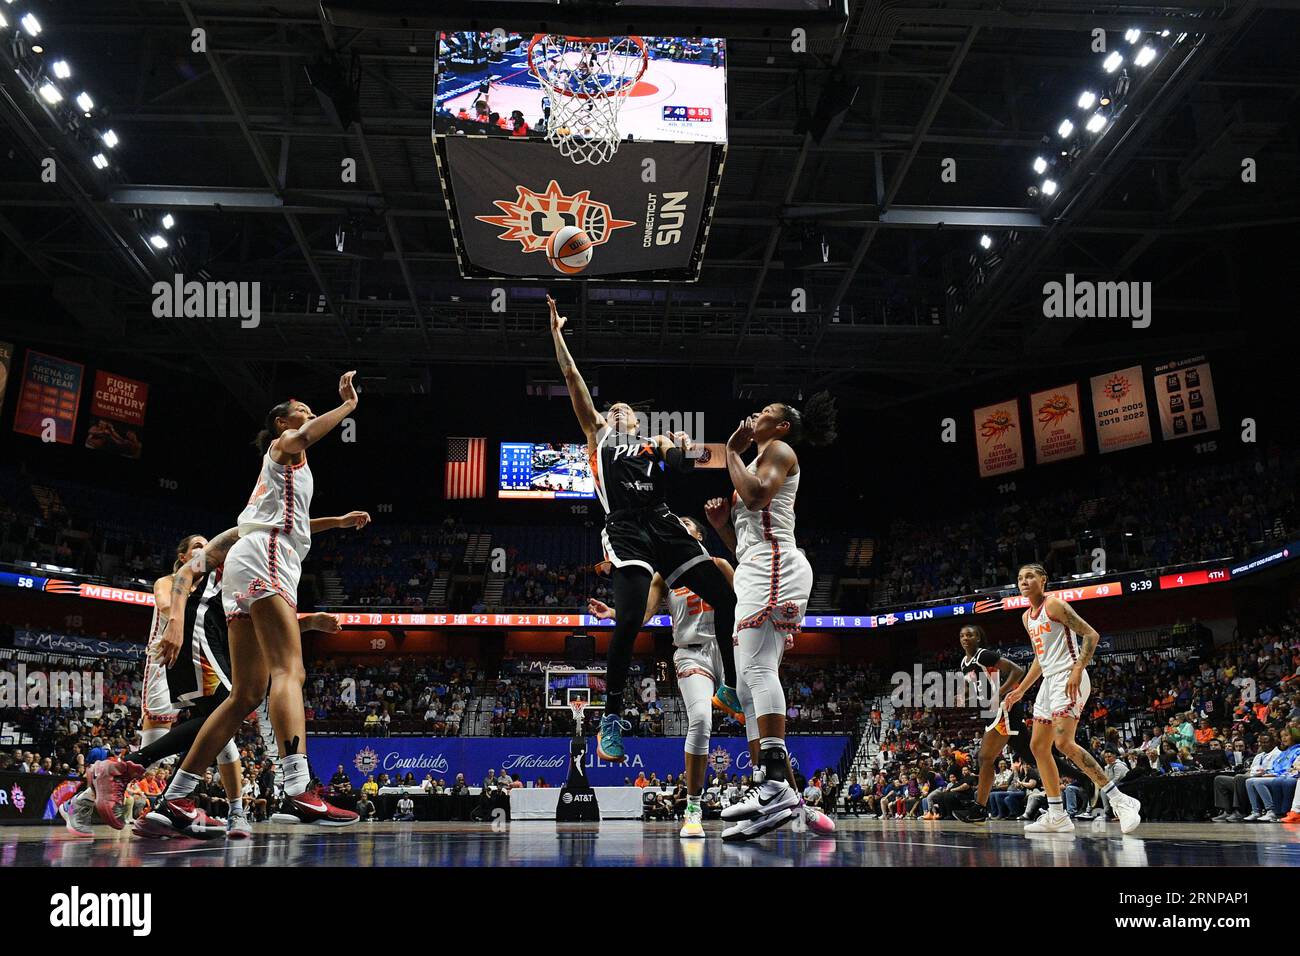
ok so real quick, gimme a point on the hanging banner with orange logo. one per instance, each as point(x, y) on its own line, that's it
point(997, 438)
point(1119, 404)
point(1058, 426)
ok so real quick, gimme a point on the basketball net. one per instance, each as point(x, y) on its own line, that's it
point(577, 706)
point(588, 80)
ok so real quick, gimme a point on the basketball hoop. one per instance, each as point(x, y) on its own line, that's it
point(588, 80)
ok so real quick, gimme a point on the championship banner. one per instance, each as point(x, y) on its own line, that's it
point(6, 360)
point(997, 438)
point(1185, 398)
point(546, 757)
point(117, 404)
point(507, 197)
point(51, 390)
point(1058, 426)
point(1119, 404)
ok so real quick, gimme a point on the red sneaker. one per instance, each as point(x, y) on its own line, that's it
point(1292, 817)
point(110, 778)
point(311, 807)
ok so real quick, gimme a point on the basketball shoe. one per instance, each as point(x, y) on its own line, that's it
point(110, 778)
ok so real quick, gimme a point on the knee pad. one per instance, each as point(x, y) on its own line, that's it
point(229, 753)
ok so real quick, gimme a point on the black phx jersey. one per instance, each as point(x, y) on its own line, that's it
point(640, 531)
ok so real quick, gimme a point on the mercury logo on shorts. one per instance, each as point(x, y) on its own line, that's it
point(532, 217)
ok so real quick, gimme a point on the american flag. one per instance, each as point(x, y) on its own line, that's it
point(466, 466)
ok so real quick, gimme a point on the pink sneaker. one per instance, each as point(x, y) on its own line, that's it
point(110, 778)
point(817, 821)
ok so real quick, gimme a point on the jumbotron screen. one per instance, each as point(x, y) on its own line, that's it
point(682, 95)
point(531, 470)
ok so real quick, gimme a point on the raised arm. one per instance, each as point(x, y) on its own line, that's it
point(294, 441)
point(590, 419)
point(718, 511)
point(353, 519)
point(757, 488)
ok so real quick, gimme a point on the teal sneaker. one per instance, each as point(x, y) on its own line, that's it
point(609, 741)
point(727, 701)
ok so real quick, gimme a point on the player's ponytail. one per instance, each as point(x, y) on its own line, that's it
point(815, 424)
point(269, 432)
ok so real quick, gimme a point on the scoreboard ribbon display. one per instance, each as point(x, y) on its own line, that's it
point(645, 211)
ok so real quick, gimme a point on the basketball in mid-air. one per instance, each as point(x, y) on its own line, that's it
point(569, 250)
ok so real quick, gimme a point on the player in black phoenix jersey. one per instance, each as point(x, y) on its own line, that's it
point(641, 537)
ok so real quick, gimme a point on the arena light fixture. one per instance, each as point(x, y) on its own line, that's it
point(85, 102)
point(1133, 35)
point(1145, 56)
point(986, 241)
point(158, 241)
point(1096, 123)
point(100, 161)
point(1164, 33)
point(31, 25)
point(1087, 99)
point(1065, 129)
point(1049, 187)
point(109, 137)
point(1040, 165)
point(37, 48)
point(50, 93)
point(168, 221)
point(1113, 62)
point(4, 23)
point(61, 69)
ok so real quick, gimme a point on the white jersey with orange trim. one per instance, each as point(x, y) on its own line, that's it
point(281, 502)
point(692, 618)
point(1055, 645)
point(155, 700)
point(772, 523)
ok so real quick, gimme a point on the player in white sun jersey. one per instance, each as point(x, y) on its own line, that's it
point(699, 671)
point(773, 583)
point(1063, 646)
point(260, 597)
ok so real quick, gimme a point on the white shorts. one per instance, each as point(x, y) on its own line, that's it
point(701, 659)
point(156, 697)
point(773, 584)
point(259, 565)
point(1052, 701)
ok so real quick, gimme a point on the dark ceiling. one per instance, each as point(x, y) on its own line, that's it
point(235, 144)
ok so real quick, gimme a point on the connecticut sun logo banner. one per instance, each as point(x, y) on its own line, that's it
point(532, 217)
point(720, 760)
point(1117, 386)
point(366, 761)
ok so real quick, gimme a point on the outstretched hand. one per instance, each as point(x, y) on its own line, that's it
point(717, 510)
point(348, 391)
point(557, 320)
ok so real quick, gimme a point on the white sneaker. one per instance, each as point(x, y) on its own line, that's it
point(1252, 817)
point(1269, 817)
point(1128, 810)
point(756, 826)
point(1050, 824)
point(238, 827)
point(693, 826)
point(769, 798)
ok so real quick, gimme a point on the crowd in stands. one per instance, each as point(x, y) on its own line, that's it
point(1165, 517)
point(402, 694)
point(1170, 516)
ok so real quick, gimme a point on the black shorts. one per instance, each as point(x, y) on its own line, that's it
point(202, 667)
point(654, 540)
